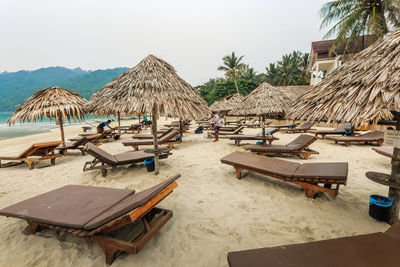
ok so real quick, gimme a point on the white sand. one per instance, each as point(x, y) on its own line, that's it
point(213, 211)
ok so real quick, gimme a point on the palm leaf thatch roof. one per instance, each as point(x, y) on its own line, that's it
point(264, 100)
point(152, 83)
point(361, 90)
point(227, 103)
point(48, 103)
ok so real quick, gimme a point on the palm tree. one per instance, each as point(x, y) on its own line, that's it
point(272, 73)
point(248, 73)
point(288, 69)
point(232, 67)
point(359, 17)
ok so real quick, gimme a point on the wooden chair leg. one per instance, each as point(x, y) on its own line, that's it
point(35, 227)
point(53, 161)
point(109, 252)
point(31, 164)
point(238, 172)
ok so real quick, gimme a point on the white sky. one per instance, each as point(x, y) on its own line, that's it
point(191, 35)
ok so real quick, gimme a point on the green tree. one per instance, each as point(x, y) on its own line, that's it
point(232, 66)
point(359, 17)
point(288, 69)
point(272, 74)
point(248, 73)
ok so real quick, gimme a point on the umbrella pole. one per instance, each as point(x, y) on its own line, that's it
point(119, 123)
point(180, 131)
point(155, 140)
point(263, 128)
point(61, 128)
point(394, 193)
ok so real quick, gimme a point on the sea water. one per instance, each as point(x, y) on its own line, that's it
point(28, 128)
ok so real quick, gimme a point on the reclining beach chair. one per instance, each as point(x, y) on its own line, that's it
point(134, 127)
point(341, 130)
point(238, 130)
point(252, 123)
point(103, 160)
point(298, 146)
point(168, 139)
point(287, 125)
point(78, 144)
point(36, 152)
point(367, 138)
point(106, 136)
point(307, 175)
point(385, 151)
point(116, 219)
point(150, 136)
point(302, 128)
point(257, 137)
point(366, 250)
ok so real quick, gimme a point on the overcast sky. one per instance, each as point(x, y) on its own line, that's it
point(191, 35)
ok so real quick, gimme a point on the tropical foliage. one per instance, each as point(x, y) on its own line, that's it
point(353, 18)
point(291, 70)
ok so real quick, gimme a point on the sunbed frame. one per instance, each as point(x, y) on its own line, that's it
point(152, 218)
point(347, 140)
point(47, 152)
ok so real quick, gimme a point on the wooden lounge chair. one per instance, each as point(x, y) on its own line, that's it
point(86, 128)
point(150, 136)
point(238, 130)
point(106, 136)
point(78, 144)
point(341, 130)
point(168, 139)
point(298, 146)
point(103, 160)
point(307, 175)
point(367, 138)
point(258, 137)
point(368, 250)
point(252, 123)
point(36, 152)
point(116, 219)
point(134, 127)
point(385, 151)
point(287, 125)
point(302, 128)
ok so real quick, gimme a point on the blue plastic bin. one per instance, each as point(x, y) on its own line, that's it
point(149, 164)
point(259, 143)
point(379, 207)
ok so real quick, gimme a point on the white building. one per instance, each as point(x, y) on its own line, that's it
point(322, 62)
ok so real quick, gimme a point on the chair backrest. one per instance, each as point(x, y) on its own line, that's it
point(306, 125)
point(238, 129)
point(80, 142)
point(302, 141)
point(166, 132)
point(40, 149)
point(100, 154)
point(104, 134)
point(168, 136)
point(268, 131)
point(375, 135)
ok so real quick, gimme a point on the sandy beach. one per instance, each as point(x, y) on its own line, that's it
point(213, 211)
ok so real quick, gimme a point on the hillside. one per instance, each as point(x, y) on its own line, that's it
point(16, 87)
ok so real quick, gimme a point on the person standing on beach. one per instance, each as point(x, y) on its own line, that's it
point(217, 125)
point(101, 126)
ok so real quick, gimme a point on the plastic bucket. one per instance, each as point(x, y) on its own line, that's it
point(149, 164)
point(259, 143)
point(379, 207)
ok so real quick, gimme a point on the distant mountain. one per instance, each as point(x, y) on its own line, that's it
point(16, 87)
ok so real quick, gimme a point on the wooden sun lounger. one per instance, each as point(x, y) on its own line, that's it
point(238, 130)
point(258, 137)
point(302, 128)
point(106, 136)
point(254, 124)
point(78, 144)
point(287, 125)
point(36, 152)
point(134, 127)
point(385, 151)
point(299, 147)
point(168, 139)
point(367, 138)
point(341, 130)
point(369, 250)
point(308, 175)
point(103, 160)
point(150, 136)
point(116, 219)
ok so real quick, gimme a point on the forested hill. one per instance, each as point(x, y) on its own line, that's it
point(16, 87)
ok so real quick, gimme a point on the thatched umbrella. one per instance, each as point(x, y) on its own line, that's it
point(52, 102)
point(152, 86)
point(264, 100)
point(362, 90)
point(226, 104)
